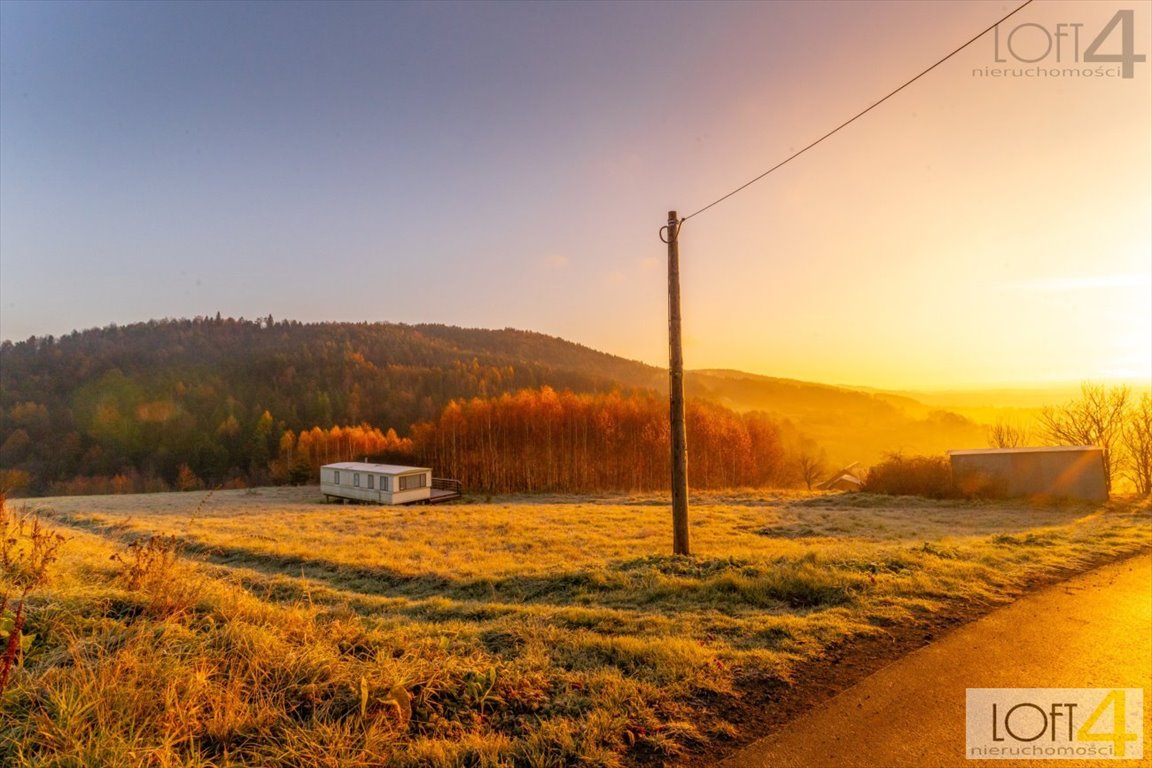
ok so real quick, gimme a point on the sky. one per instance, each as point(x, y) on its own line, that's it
point(510, 165)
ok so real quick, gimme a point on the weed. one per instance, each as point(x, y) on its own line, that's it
point(27, 550)
point(152, 567)
point(149, 559)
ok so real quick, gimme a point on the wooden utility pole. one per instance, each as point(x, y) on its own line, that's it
point(676, 394)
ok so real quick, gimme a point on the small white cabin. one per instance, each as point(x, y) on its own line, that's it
point(375, 483)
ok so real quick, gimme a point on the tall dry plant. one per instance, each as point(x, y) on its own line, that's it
point(154, 568)
point(27, 549)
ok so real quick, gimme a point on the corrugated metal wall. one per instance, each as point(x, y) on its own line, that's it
point(1076, 474)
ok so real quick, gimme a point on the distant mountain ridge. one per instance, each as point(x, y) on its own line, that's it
point(849, 424)
point(751, 389)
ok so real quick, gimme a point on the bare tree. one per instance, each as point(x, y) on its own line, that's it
point(1097, 418)
point(811, 466)
point(1007, 434)
point(1137, 438)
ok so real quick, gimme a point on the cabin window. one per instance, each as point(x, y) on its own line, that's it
point(411, 482)
point(356, 479)
point(386, 484)
point(371, 482)
point(336, 477)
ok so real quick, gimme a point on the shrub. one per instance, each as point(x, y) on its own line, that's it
point(898, 475)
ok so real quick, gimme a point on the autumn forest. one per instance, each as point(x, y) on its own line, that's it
point(210, 402)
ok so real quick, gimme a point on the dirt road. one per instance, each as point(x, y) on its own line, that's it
point(1093, 631)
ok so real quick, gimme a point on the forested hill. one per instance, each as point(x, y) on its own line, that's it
point(143, 347)
point(160, 394)
point(214, 397)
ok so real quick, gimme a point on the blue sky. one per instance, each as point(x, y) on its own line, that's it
point(502, 165)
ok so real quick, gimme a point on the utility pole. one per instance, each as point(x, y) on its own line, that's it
point(676, 393)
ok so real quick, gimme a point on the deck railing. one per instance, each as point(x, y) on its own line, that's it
point(446, 484)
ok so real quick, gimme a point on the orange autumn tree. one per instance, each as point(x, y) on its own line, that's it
point(543, 440)
point(300, 456)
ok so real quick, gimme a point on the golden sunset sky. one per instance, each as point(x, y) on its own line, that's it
point(499, 165)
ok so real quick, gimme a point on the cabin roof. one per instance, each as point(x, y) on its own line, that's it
point(383, 469)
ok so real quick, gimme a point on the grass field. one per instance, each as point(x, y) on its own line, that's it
point(261, 627)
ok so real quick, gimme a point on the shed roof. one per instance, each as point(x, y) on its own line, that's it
point(1042, 449)
point(384, 469)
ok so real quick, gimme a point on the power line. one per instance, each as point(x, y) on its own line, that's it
point(858, 115)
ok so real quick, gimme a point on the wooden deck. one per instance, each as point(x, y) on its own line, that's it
point(444, 489)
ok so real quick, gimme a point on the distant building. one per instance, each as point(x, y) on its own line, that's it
point(844, 480)
point(376, 483)
point(1075, 472)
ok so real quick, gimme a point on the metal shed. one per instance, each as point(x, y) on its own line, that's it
point(1075, 472)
